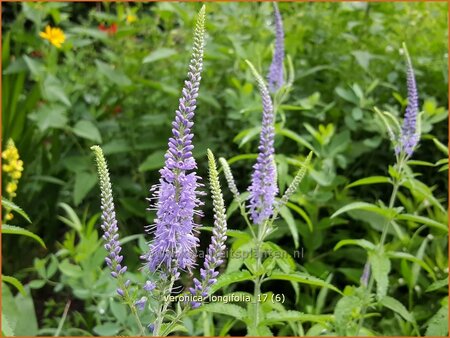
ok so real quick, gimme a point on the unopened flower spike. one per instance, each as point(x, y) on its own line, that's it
point(109, 223)
point(176, 197)
point(230, 179)
point(275, 76)
point(216, 250)
point(409, 137)
point(263, 188)
point(296, 181)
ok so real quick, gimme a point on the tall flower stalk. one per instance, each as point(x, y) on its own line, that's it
point(263, 208)
point(264, 178)
point(174, 244)
point(216, 250)
point(176, 197)
point(111, 235)
point(405, 143)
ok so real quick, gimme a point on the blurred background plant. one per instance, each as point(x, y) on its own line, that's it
point(111, 75)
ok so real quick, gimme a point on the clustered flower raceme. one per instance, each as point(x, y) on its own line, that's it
point(13, 169)
point(264, 178)
point(174, 245)
point(409, 137)
point(275, 76)
point(216, 249)
point(109, 221)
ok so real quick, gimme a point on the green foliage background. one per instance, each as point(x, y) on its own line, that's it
point(121, 91)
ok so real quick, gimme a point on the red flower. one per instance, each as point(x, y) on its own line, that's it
point(111, 30)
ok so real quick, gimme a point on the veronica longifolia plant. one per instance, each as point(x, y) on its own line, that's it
point(176, 201)
point(263, 207)
point(405, 138)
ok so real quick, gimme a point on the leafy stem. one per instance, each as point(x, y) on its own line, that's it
point(397, 181)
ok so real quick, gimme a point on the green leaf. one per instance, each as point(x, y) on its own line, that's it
point(107, 329)
point(27, 323)
point(438, 324)
point(84, 182)
point(369, 180)
point(295, 137)
point(302, 213)
point(414, 259)
point(7, 330)
point(438, 285)
point(73, 221)
point(442, 147)
point(344, 312)
point(230, 278)
point(119, 310)
point(287, 216)
point(363, 243)
point(36, 67)
point(153, 161)
point(226, 309)
point(10, 205)
point(283, 259)
point(50, 115)
point(114, 75)
point(381, 266)
point(422, 220)
point(53, 91)
point(396, 306)
point(15, 230)
point(87, 130)
point(70, 270)
point(302, 278)
point(14, 282)
point(162, 53)
point(286, 316)
point(364, 206)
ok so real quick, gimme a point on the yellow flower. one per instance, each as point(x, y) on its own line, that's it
point(11, 188)
point(131, 18)
point(54, 35)
point(13, 167)
point(9, 216)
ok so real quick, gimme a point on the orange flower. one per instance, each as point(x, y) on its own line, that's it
point(54, 35)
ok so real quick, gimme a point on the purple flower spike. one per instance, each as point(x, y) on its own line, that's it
point(264, 179)
point(216, 249)
point(409, 136)
point(109, 224)
point(174, 244)
point(275, 76)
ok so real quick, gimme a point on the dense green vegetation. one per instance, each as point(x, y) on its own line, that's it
point(115, 81)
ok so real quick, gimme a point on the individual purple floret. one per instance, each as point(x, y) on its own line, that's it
point(140, 304)
point(109, 221)
point(409, 136)
point(275, 76)
point(174, 244)
point(216, 249)
point(264, 186)
point(365, 275)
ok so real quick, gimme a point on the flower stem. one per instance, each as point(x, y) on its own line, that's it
point(380, 246)
point(162, 308)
